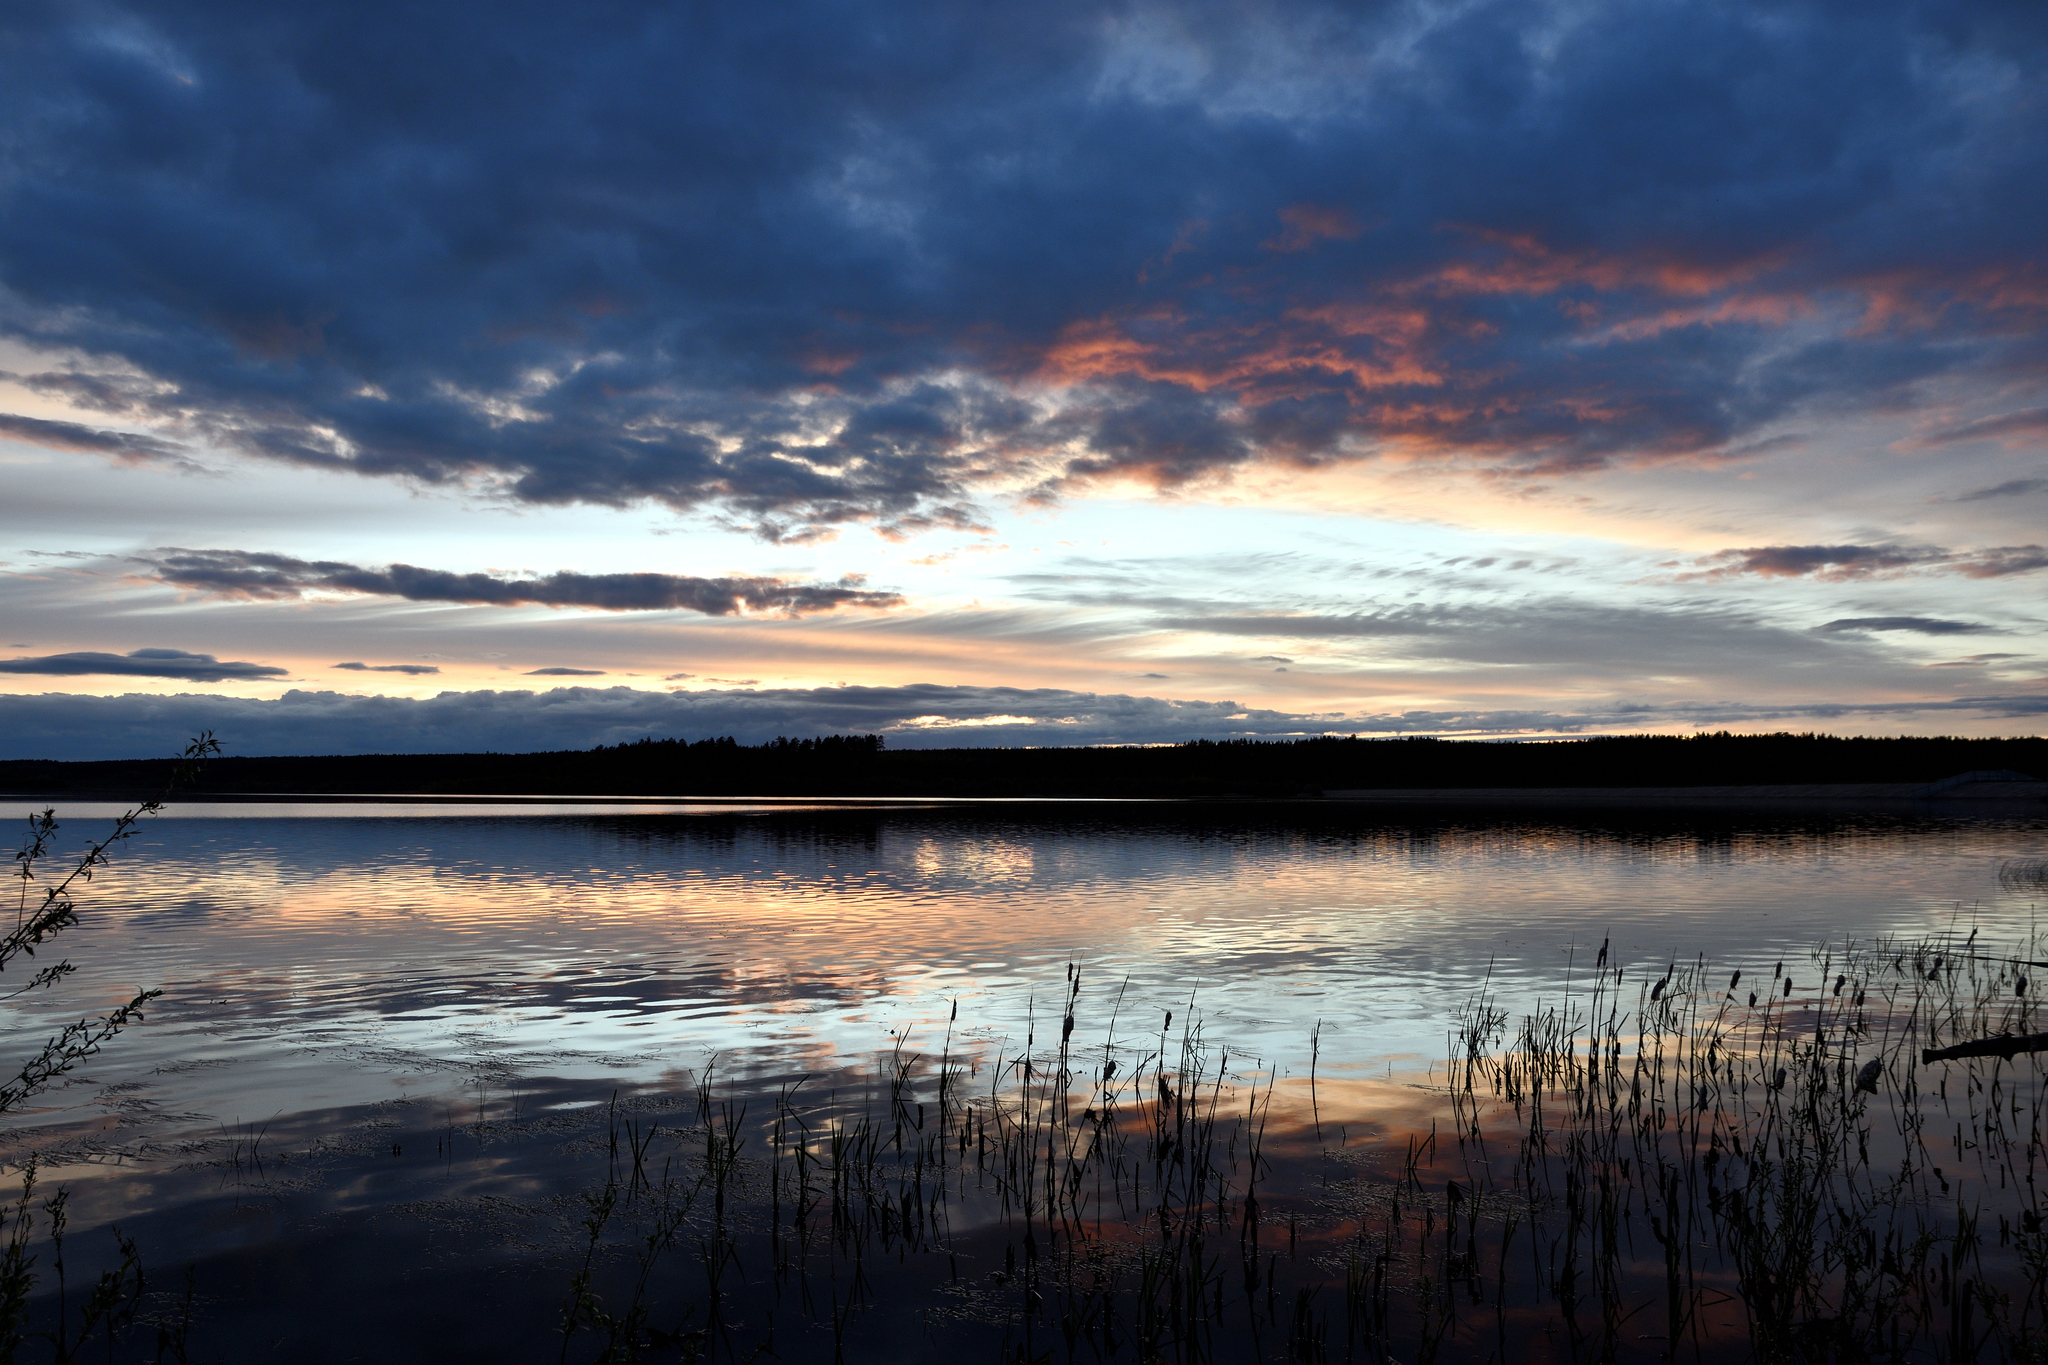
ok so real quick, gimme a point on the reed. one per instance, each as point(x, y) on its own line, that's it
point(1655, 1163)
point(1782, 1149)
point(46, 905)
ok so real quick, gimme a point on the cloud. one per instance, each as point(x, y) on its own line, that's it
point(359, 667)
point(1974, 660)
point(63, 725)
point(773, 267)
point(142, 663)
point(1823, 561)
point(1838, 563)
point(565, 673)
point(1541, 647)
point(1924, 625)
point(2006, 559)
point(71, 436)
point(1314, 625)
point(1309, 224)
point(2014, 428)
point(2011, 488)
point(247, 574)
point(1370, 621)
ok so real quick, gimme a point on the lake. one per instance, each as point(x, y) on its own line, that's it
point(396, 1042)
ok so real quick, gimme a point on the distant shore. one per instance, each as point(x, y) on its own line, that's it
point(1867, 795)
point(1718, 770)
point(1986, 796)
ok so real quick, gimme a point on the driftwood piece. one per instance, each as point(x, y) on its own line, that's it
point(2009, 1046)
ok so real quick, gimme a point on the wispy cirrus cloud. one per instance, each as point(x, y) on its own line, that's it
point(143, 663)
point(1515, 643)
point(254, 575)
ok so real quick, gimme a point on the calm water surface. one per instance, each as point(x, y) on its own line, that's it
point(379, 939)
point(336, 977)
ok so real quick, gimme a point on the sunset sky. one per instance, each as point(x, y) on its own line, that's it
point(528, 376)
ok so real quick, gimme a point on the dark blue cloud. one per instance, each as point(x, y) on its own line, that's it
point(806, 263)
point(255, 574)
point(412, 670)
point(1919, 625)
point(53, 435)
point(142, 663)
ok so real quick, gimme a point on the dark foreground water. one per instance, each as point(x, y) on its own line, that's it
point(399, 1049)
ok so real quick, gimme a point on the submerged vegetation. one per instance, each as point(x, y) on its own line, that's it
point(1680, 1164)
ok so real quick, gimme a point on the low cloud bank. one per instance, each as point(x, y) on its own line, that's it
point(921, 716)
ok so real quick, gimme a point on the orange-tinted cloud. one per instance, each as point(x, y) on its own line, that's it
point(2007, 298)
point(1418, 363)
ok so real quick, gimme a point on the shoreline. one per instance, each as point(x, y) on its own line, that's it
point(2003, 796)
point(1865, 795)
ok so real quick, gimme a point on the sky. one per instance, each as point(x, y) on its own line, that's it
point(536, 376)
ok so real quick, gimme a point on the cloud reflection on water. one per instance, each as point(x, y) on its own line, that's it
point(354, 986)
point(670, 937)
